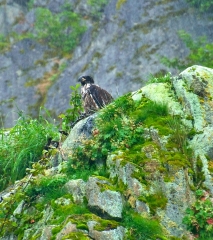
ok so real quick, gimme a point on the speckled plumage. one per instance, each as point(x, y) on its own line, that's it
point(94, 97)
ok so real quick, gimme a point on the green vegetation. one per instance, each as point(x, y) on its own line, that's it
point(114, 130)
point(61, 32)
point(4, 43)
point(72, 113)
point(141, 133)
point(141, 228)
point(201, 53)
point(30, 4)
point(157, 200)
point(160, 79)
point(202, 5)
point(49, 188)
point(21, 146)
point(119, 4)
point(199, 217)
point(97, 7)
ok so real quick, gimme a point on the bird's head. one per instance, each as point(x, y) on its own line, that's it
point(85, 79)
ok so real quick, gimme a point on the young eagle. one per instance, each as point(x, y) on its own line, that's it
point(93, 96)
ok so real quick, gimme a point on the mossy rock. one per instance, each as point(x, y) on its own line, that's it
point(76, 236)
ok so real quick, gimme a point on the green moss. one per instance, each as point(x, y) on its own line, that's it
point(31, 82)
point(134, 155)
point(210, 166)
point(40, 62)
point(119, 74)
point(144, 28)
point(106, 186)
point(111, 68)
point(119, 4)
point(85, 67)
point(97, 55)
point(199, 176)
point(62, 212)
point(56, 230)
point(81, 222)
point(140, 176)
point(157, 200)
point(149, 111)
point(76, 236)
point(177, 159)
point(105, 225)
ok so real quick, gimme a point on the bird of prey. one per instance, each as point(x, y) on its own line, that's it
point(94, 97)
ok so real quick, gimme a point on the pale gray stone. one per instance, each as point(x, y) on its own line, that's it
point(77, 188)
point(106, 202)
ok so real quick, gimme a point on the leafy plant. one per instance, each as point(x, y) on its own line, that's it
point(61, 31)
point(202, 5)
point(161, 79)
point(201, 53)
point(21, 146)
point(199, 217)
point(75, 109)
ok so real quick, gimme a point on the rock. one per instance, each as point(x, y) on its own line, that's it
point(179, 196)
point(82, 130)
point(111, 234)
point(46, 233)
point(19, 209)
point(9, 13)
point(107, 203)
point(141, 207)
point(77, 188)
point(123, 171)
point(194, 88)
point(63, 201)
point(66, 230)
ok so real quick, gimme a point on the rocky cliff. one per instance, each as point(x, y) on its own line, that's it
point(131, 176)
point(121, 47)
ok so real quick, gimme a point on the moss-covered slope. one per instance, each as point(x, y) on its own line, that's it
point(128, 172)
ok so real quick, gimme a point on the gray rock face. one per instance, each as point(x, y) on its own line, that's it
point(21, 76)
point(106, 202)
point(118, 66)
point(8, 15)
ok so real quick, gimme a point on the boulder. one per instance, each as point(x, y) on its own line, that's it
point(107, 203)
point(111, 234)
point(77, 188)
point(81, 131)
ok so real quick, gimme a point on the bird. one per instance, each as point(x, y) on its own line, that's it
point(93, 96)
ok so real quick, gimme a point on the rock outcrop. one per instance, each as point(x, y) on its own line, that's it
point(155, 177)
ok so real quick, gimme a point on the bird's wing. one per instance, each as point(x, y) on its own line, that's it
point(100, 96)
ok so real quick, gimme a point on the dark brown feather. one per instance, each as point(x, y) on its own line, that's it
point(95, 98)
